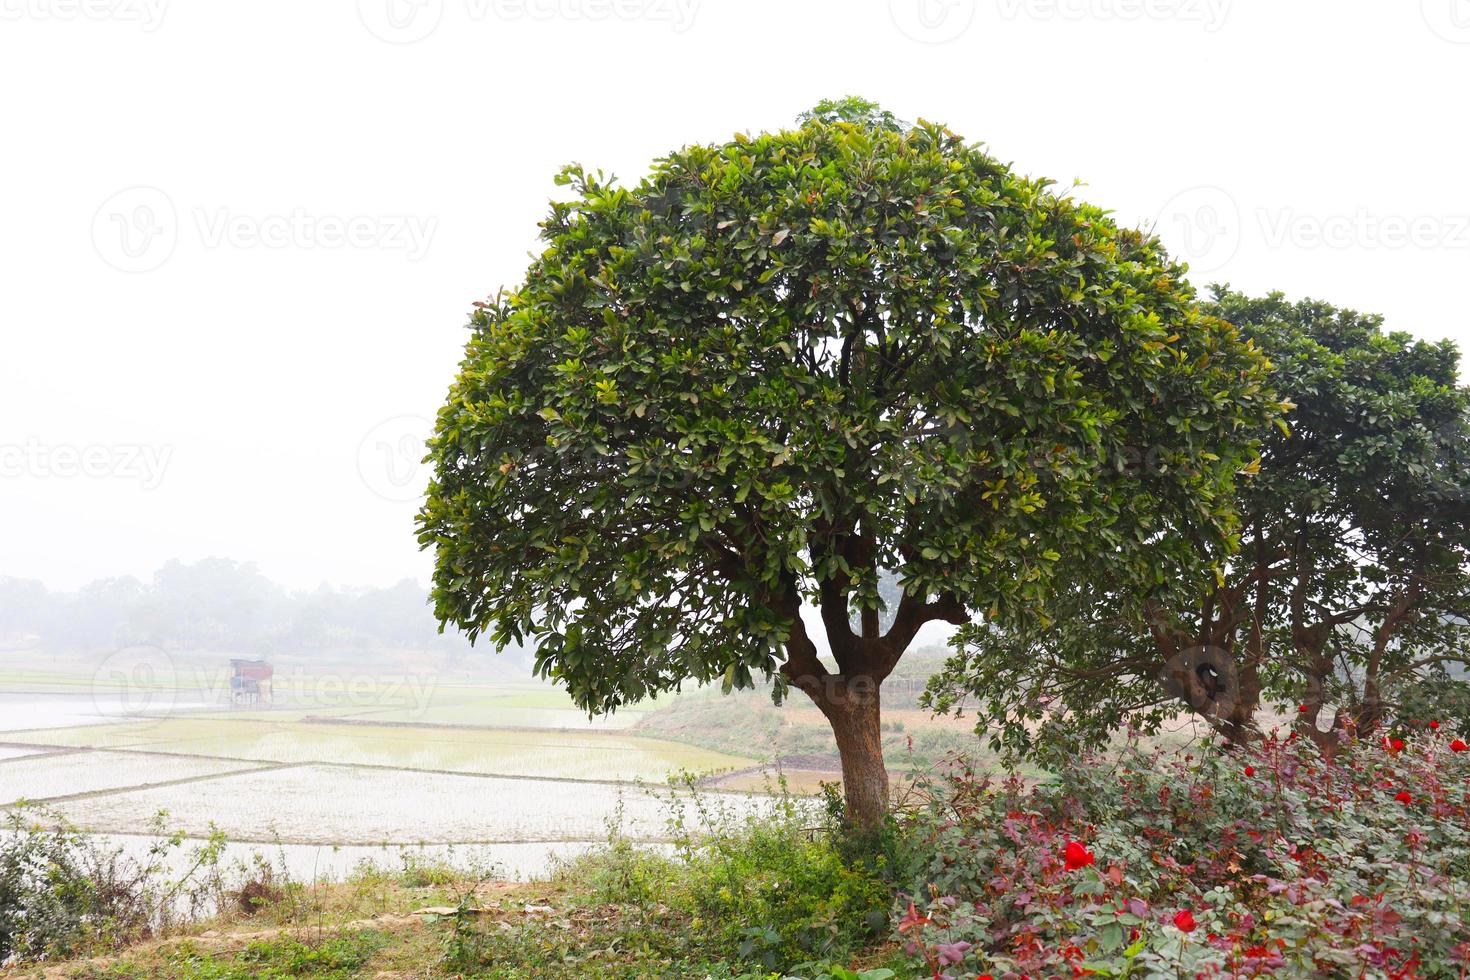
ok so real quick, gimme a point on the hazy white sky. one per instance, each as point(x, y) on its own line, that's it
point(239, 240)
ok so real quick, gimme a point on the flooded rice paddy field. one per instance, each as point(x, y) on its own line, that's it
point(512, 777)
point(325, 804)
point(56, 775)
point(18, 751)
point(509, 752)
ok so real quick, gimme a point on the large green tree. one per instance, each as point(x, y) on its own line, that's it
point(781, 366)
point(1351, 592)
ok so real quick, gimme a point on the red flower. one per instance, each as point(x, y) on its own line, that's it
point(1458, 745)
point(1076, 856)
point(1434, 726)
point(1404, 797)
point(1393, 744)
point(1184, 920)
point(1302, 708)
point(1250, 770)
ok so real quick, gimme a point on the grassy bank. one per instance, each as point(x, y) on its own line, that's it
point(1146, 864)
point(712, 904)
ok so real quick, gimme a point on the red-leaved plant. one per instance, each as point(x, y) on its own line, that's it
point(1268, 862)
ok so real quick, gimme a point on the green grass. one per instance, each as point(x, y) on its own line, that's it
point(332, 957)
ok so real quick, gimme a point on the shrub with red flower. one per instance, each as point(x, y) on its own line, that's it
point(1357, 866)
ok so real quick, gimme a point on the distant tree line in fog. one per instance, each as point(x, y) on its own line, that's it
point(218, 604)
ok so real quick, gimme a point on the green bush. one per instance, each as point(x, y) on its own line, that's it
point(45, 897)
point(62, 893)
point(773, 887)
point(420, 871)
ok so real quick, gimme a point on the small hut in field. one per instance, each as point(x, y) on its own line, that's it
point(250, 682)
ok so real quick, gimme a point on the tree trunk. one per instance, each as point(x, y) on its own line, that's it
point(850, 698)
point(853, 707)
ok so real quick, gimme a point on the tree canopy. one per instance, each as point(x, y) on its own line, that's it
point(1350, 590)
point(780, 366)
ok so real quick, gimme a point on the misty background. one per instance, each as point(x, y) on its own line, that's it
point(228, 607)
point(235, 276)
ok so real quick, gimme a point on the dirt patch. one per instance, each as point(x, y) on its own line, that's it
point(826, 765)
point(803, 775)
